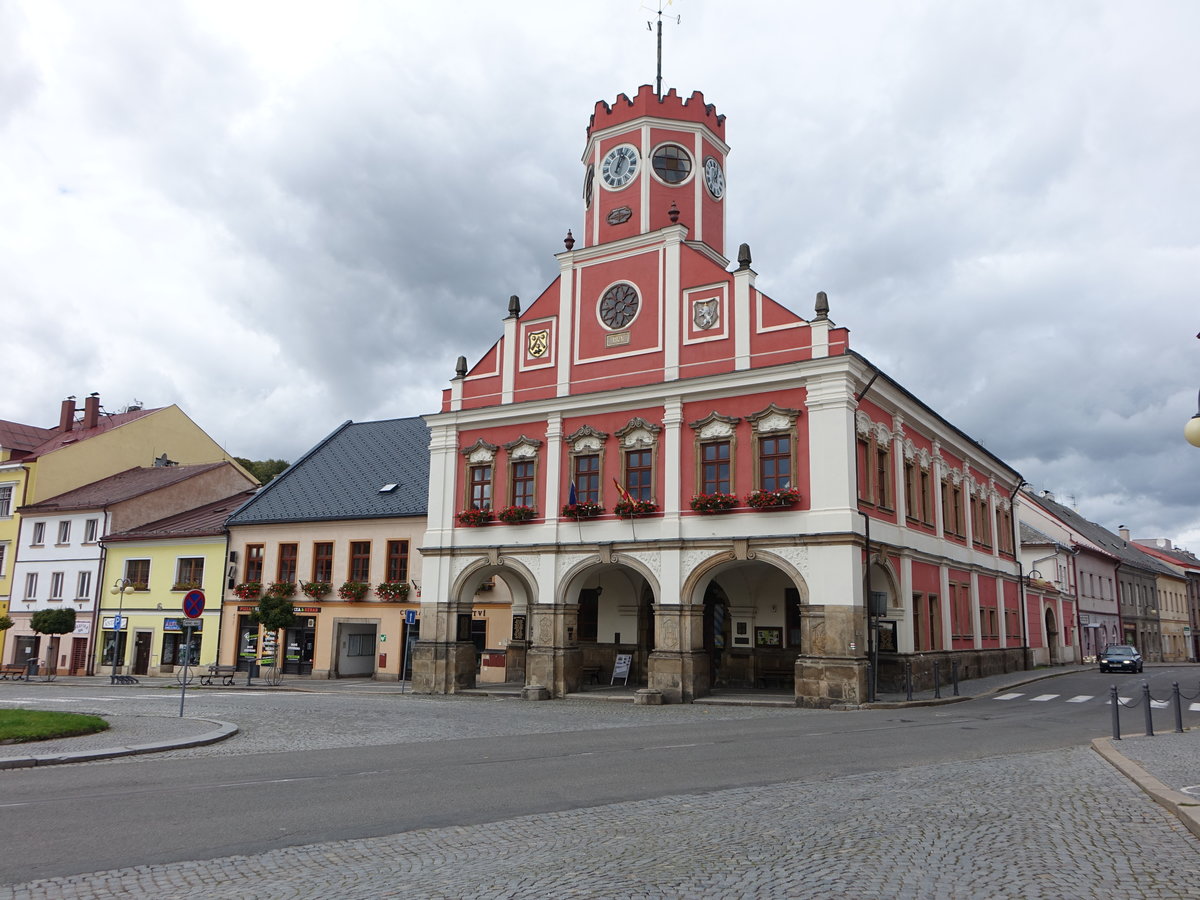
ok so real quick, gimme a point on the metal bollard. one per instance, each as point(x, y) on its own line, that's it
point(1149, 716)
point(937, 680)
point(1178, 707)
point(907, 680)
point(1116, 715)
point(954, 675)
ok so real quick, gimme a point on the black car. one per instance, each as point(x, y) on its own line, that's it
point(1120, 658)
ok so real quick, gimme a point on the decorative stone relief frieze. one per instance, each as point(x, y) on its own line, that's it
point(638, 433)
point(650, 559)
point(523, 448)
point(924, 459)
point(797, 555)
point(667, 636)
point(882, 434)
point(773, 418)
point(714, 426)
point(480, 452)
point(585, 439)
point(862, 423)
point(910, 450)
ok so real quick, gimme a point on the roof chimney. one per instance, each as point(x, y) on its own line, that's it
point(66, 415)
point(1049, 495)
point(1123, 532)
point(91, 411)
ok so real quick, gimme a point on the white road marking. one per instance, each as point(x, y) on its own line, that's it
point(1195, 707)
point(1160, 704)
point(1008, 696)
point(1082, 698)
point(1128, 701)
point(1043, 698)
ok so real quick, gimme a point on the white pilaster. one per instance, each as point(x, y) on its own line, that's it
point(508, 359)
point(566, 321)
point(743, 281)
point(554, 435)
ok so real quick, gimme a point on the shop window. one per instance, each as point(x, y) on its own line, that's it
point(397, 561)
point(360, 644)
point(360, 561)
point(254, 562)
point(322, 561)
point(286, 567)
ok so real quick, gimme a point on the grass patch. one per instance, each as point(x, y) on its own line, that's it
point(20, 725)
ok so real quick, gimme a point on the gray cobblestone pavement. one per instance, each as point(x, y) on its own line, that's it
point(1061, 824)
point(1174, 759)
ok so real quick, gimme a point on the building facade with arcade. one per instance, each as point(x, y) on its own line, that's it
point(659, 460)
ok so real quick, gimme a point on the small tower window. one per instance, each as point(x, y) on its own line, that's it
point(672, 164)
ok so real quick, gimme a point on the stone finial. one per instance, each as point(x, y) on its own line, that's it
point(673, 213)
point(744, 256)
point(569, 240)
point(460, 367)
point(822, 305)
point(514, 306)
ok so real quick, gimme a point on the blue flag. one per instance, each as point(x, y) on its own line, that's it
point(571, 497)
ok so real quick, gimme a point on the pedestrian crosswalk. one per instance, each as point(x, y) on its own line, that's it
point(1084, 698)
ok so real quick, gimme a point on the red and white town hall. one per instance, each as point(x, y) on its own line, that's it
point(659, 460)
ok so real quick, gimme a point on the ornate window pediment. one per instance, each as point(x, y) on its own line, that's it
point(714, 426)
point(773, 418)
point(480, 452)
point(638, 433)
point(523, 448)
point(586, 439)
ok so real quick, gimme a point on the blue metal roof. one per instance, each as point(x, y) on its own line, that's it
point(341, 477)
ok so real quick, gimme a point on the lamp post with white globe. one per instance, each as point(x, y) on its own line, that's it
point(1191, 431)
point(120, 587)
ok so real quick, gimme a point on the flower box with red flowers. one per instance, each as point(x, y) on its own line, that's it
point(392, 591)
point(248, 590)
point(283, 589)
point(714, 503)
point(315, 589)
point(353, 590)
point(780, 499)
point(632, 509)
point(583, 510)
point(515, 515)
point(473, 518)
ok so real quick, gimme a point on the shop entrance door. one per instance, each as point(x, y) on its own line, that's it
point(298, 651)
point(141, 653)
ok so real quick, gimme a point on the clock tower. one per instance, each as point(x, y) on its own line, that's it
point(655, 161)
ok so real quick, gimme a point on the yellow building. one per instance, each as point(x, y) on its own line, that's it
point(88, 444)
point(165, 561)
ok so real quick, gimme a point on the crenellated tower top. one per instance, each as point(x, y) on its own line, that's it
point(652, 162)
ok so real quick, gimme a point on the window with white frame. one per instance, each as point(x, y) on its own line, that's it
point(6, 495)
point(3, 558)
point(83, 587)
point(90, 527)
point(56, 585)
point(39, 534)
point(64, 532)
point(138, 572)
point(31, 585)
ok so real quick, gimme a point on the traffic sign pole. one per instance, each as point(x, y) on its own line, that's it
point(193, 608)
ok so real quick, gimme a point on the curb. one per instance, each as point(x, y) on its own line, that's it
point(223, 731)
point(1185, 808)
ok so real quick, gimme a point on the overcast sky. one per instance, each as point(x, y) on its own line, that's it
point(283, 215)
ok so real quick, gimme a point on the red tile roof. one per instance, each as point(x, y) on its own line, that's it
point(202, 521)
point(22, 438)
point(122, 486)
point(56, 439)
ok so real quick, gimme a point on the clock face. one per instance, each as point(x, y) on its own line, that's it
point(588, 179)
point(714, 178)
point(620, 166)
point(619, 305)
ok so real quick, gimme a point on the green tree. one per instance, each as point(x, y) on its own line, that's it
point(263, 469)
point(53, 621)
point(6, 623)
point(275, 614)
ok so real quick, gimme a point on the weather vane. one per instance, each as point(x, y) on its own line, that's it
point(650, 27)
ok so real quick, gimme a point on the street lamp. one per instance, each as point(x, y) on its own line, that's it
point(120, 586)
point(1191, 431)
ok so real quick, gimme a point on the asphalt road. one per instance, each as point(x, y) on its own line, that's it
point(541, 757)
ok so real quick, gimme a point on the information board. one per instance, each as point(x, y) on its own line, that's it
point(621, 669)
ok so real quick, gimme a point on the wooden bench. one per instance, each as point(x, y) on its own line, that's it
point(778, 676)
point(225, 673)
point(15, 671)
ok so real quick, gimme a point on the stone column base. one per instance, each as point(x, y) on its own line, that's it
point(825, 681)
point(558, 668)
point(680, 676)
point(443, 667)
